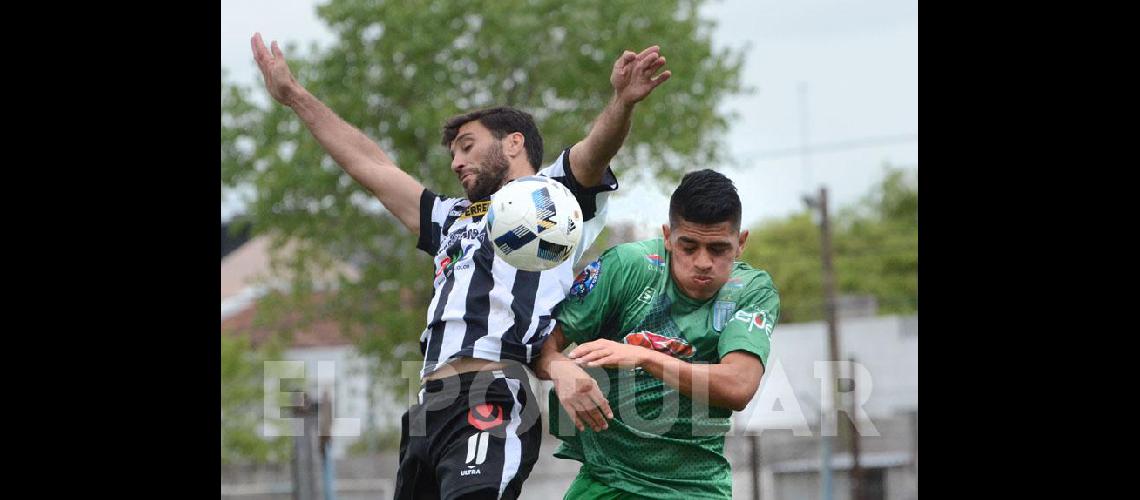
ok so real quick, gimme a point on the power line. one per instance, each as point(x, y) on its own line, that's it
point(832, 147)
point(877, 251)
point(804, 151)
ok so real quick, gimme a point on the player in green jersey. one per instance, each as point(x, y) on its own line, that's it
point(673, 335)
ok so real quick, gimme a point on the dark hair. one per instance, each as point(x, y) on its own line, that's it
point(501, 120)
point(705, 197)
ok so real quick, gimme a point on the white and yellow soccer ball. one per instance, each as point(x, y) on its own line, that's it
point(534, 223)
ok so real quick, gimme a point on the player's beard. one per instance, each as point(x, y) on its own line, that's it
point(492, 174)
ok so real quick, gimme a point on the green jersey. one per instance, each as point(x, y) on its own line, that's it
point(660, 443)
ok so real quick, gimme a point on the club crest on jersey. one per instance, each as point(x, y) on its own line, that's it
point(722, 312)
point(485, 416)
point(586, 279)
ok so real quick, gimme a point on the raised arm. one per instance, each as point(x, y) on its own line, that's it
point(358, 155)
point(633, 80)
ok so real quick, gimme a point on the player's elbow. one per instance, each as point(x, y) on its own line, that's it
point(740, 398)
point(735, 400)
point(737, 406)
point(739, 402)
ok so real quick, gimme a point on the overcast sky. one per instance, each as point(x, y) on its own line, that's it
point(856, 60)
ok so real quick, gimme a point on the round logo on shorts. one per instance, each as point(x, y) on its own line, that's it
point(485, 416)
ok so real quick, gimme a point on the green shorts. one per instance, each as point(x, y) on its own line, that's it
point(585, 486)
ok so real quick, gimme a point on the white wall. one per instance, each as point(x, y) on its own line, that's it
point(887, 346)
point(349, 381)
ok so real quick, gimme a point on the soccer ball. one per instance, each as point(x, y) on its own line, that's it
point(534, 223)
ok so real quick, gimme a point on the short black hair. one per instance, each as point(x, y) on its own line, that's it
point(705, 197)
point(501, 120)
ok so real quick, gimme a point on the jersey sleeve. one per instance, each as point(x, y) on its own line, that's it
point(750, 328)
point(592, 200)
point(433, 216)
point(595, 298)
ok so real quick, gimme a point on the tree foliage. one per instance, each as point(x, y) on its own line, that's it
point(875, 245)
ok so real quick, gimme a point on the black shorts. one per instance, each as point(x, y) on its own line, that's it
point(472, 435)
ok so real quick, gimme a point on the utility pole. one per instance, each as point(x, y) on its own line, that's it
point(830, 305)
point(306, 464)
point(754, 461)
point(856, 469)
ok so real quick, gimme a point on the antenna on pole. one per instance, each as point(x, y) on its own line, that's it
point(805, 163)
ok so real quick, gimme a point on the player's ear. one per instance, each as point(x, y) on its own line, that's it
point(665, 231)
point(743, 238)
point(514, 144)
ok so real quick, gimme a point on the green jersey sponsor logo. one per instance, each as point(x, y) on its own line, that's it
point(755, 320)
point(646, 295)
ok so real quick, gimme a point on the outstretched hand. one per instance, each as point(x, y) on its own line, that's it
point(279, 80)
point(633, 75)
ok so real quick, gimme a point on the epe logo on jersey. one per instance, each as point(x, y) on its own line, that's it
point(755, 320)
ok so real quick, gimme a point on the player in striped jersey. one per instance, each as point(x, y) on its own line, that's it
point(475, 432)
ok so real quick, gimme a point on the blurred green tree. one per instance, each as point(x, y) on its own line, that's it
point(875, 244)
point(243, 405)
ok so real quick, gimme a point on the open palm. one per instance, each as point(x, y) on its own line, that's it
point(279, 80)
point(633, 75)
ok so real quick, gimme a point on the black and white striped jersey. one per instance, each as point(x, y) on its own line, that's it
point(483, 307)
